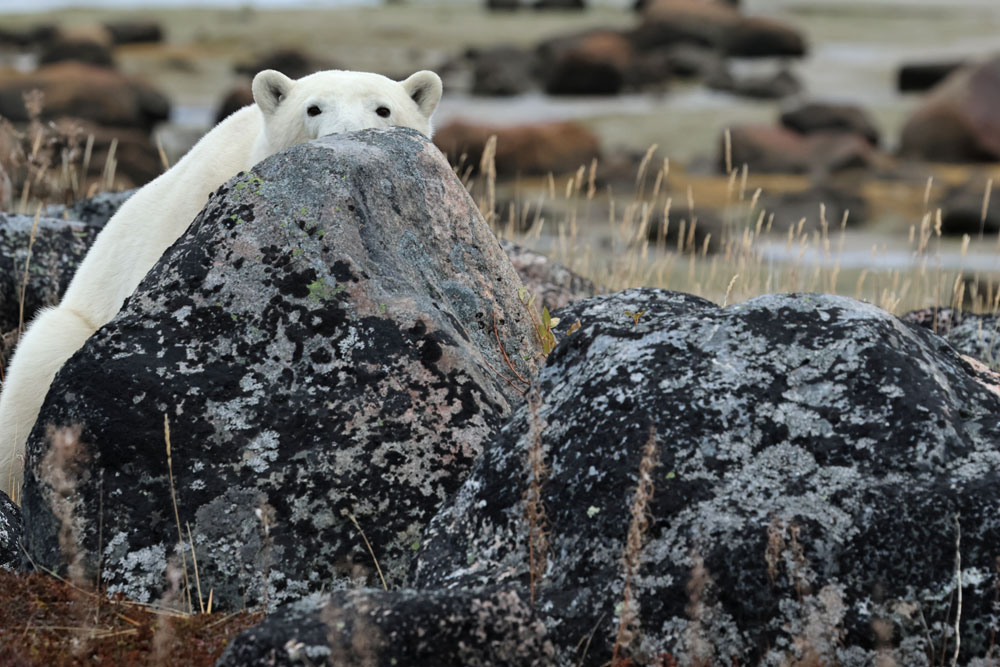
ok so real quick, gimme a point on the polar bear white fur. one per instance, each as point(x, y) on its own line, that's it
point(286, 112)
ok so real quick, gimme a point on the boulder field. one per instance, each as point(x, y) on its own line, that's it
point(365, 441)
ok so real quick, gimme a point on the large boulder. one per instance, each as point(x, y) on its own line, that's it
point(530, 150)
point(446, 629)
point(789, 480)
point(957, 122)
point(813, 204)
point(82, 50)
point(10, 532)
point(79, 90)
point(331, 343)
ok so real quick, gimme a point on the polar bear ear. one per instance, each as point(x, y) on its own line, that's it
point(270, 87)
point(424, 88)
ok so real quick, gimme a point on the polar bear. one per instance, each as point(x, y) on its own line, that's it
point(286, 112)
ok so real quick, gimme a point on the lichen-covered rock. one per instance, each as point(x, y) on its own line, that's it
point(974, 334)
point(816, 466)
point(553, 285)
point(58, 248)
point(94, 211)
point(372, 627)
point(322, 343)
point(10, 533)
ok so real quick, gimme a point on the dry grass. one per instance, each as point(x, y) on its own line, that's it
point(621, 240)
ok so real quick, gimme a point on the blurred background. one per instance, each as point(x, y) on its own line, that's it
point(722, 147)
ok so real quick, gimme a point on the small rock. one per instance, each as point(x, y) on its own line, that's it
point(918, 77)
point(957, 122)
point(502, 70)
point(756, 37)
point(10, 533)
point(791, 207)
point(962, 211)
point(760, 86)
point(977, 335)
point(774, 149)
point(134, 32)
point(671, 22)
point(290, 62)
point(592, 63)
point(553, 285)
point(58, 248)
point(822, 116)
point(538, 149)
point(559, 4)
point(94, 211)
point(77, 50)
point(235, 99)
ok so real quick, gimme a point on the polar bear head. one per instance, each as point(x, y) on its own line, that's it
point(299, 110)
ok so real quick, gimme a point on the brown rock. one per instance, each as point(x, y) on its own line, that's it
point(593, 63)
point(668, 22)
point(97, 94)
point(290, 62)
point(236, 99)
point(81, 50)
point(774, 149)
point(958, 122)
point(134, 32)
point(755, 37)
point(524, 149)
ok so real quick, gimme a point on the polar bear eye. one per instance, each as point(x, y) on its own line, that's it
point(383, 111)
point(313, 110)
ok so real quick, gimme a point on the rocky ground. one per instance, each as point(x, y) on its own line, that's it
point(341, 403)
point(374, 440)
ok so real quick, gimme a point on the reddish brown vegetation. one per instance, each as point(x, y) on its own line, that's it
point(44, 621)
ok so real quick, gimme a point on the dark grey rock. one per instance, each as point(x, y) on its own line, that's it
point(321, 341)
point(370, 627)
point(814, 460)
point(10, 533)
point(58, 248)
point(134, 32)
point(781, 83)
point(81, 50)
point(94, 211)
point(824, 116)
point(917, 77)
point(791, 207)
point(974, 334)
point(553, 285)
point(962, 211)
point(502, 70)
